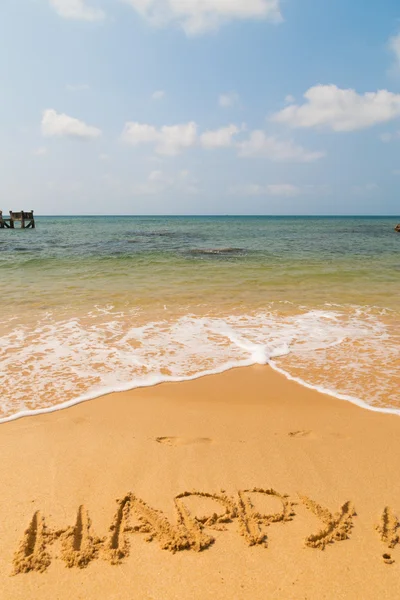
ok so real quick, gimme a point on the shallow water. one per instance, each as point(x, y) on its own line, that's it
point(90, 304)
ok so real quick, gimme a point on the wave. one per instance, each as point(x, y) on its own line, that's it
point(347, 353)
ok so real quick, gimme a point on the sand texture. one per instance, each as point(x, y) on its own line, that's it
point(240, 485)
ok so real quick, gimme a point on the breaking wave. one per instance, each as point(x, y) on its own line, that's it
point(351, 353)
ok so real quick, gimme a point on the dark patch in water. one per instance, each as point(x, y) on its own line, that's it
point(164, 234)
point(217, 251)
point(147, 234)
point(151, 235)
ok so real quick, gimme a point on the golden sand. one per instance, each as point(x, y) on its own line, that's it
point(240, 485)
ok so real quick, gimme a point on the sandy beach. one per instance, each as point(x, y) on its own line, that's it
point(240, 485)
point(199, 307)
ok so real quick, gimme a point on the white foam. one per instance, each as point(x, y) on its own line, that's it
point(260, 356)
point(58, 363)
point(338, 396)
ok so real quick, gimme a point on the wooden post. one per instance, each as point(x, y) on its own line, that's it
point(25, 217)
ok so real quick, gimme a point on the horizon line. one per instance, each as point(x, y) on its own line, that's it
point(222, 215)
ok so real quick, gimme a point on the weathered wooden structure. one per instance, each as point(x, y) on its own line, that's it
point(25, 218)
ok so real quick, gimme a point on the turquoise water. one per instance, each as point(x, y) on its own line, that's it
point(90, 304)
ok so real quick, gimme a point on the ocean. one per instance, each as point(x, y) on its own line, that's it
point(91, 305)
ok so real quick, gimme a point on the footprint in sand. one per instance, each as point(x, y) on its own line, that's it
point(182, 441)
point(306, 433)
point(300, 434)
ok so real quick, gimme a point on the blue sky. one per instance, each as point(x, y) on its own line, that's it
point(200, 106)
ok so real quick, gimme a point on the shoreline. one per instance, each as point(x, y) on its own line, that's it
point(172, 448)
point(156, 381)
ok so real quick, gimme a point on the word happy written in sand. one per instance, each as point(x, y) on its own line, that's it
point(80, 545)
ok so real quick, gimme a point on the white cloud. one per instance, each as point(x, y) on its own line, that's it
point(227, 100)
point(258, 144)
point(77, 9)
point(104, 156)
point(176, 137)
point(80, 87)
point(169, 140)
point(159, 182)
point(219, 138)
point(139, 133)
point(289, 99)
point(40, 151)
point(158, 95)
point(61, 125)
point(341, 110)
point(199, 16)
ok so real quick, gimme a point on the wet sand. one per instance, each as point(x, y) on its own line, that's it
point(240, 485)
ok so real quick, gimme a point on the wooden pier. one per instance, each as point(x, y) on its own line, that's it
point(25, 218)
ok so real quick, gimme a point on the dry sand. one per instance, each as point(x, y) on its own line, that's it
point(240, 485)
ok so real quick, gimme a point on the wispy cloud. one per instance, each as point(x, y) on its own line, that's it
point(40, 151)
point(229, 99)
point(197, 17)
point(158, 183)
point(275, 149)
point(365, 189)
point(284, 190)
point(80, 87)
point(289, 99)
point(394, 48)
point(388, 137)
point(158, 95)
point(77, 10)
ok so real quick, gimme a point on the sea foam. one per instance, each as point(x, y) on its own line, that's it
point(347, 352)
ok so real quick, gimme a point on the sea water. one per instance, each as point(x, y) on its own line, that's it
point(95, 304)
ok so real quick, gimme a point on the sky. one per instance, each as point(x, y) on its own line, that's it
point(200, 107)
